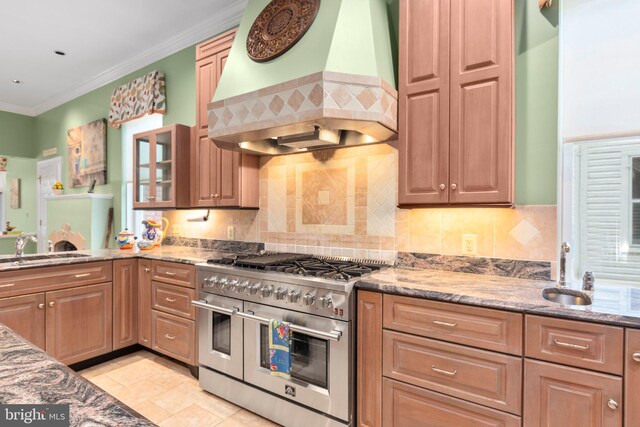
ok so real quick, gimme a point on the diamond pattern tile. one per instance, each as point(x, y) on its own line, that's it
point(524, 232)
point(276, 105)
point(258, 109)
point(381, 201)
point(367, 98)
point(295, 100)
point(316, 95)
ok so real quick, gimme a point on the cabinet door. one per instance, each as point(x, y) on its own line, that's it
point(144, 302)
point(26, 316)
point(369, 365)
point(423, 147)
point(206, 77)
point(481, 122)
point(228, 167)
point(142, 174)
point(125, 303)
point(79, 323)
point(558, 396)
point(205, 179)
point(631, 378)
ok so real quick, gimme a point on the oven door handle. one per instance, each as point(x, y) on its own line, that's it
point(333, 336)
point(222, 310)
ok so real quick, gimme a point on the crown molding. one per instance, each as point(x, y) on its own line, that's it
point(18, 109)
point(225, 19)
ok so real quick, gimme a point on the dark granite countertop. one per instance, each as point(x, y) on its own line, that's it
point(618, 305)
point(30, 376)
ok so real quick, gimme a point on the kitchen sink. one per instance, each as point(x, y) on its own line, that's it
point(566, 296)
point(40, 258)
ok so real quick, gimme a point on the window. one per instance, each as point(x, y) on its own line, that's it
point(635, 202)
point(133, 219)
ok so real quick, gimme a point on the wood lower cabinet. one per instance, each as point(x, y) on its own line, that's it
point(369, 354)
point(221, 178)
point(125, 303)
point(79, 322)
point(632, 378)
point(456, 102)
point(560, 396)
point(26, 316)
point(174, 336)
point(144, 302)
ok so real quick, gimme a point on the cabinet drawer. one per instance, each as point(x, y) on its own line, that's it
point(478, 376)
point(580, 344)
point(43, 279)
point(479, 327)
point(409, 406)
point(173, 300)
point(174, 273)
point(173, 336)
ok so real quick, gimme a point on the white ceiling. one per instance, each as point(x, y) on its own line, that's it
point(104, 40)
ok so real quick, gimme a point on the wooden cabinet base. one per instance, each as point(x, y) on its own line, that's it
point(174, 336)
point(26, 316)
point(410, 406)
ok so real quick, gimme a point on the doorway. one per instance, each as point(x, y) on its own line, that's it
point(48, 172)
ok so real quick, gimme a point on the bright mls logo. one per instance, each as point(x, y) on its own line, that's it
point(34, 415)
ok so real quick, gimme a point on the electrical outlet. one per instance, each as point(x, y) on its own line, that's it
point(177, 230)
point(470, 244)
point(231, 233)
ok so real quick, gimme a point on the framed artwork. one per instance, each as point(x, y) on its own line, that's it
point(14, 193)
point(87, 154)
point(3, 164)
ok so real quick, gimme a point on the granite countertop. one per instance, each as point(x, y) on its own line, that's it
point(29, 376)
point(619, 305)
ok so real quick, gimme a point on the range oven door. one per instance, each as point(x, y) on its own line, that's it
point(220, 333)
point(321, 361)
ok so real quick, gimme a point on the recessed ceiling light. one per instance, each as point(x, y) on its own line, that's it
point(16, 81)
point(59, 52)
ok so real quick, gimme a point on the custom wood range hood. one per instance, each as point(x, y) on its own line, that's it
point(307, 74)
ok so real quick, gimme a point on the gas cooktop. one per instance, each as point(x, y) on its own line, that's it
point(340, 269)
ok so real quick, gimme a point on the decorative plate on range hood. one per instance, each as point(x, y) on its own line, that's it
point(280, 25)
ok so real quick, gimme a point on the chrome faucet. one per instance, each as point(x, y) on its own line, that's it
point(22, 241)
point(588, 282)
point(564, 250)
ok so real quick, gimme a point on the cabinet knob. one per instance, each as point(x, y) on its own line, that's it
point(211, 196)
point(147, 270)
point(612, 404)
point(51, 304)
point(442, 187)
point(216, 196)
point(40, 306)
point(454, 187)
point(636, 356)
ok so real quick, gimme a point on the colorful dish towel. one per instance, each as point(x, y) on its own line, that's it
point(279, 346)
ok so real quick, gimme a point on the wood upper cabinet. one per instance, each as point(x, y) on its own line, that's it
point(26, 316)
point(144, 302)
point(559, 396)
point(632, 378)
point(161, 176)
point(79, 322)
point(221, 178)
point(456, 102)
point(369, 354)
point(125, 303)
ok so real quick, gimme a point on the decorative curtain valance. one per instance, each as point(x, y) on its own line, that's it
point(144, 95)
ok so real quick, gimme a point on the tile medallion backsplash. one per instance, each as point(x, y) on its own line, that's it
point(344, 203)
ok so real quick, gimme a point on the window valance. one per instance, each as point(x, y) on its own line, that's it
point(144, 95)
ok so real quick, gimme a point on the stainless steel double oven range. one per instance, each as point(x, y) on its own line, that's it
point(237, 299)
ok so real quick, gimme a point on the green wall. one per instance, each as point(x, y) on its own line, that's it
point(17, 135)
point(536, 103)
point(52, 126)
point(24, 218)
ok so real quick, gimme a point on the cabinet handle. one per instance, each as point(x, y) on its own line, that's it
point(636, 357)
point(170, 337)
point(171, 300)
point(612, 404)
point(442, 371)
point(147, 269)
point(8, 285)
point(211, 196)
point(151, 198)
point(170, 274)
point(454, 187)
point(573, 346)
point(82, 275)
point(438, 322)
point(51, 304)
point(216, 196)
point(442, 187)
point(41, 306)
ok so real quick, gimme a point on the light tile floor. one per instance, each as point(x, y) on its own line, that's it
point(166, 393)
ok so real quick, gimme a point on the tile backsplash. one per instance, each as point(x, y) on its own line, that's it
point(344, 203)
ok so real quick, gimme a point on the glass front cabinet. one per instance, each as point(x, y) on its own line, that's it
point(161, 168)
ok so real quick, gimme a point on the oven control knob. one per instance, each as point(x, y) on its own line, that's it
point(208, 282)
point(294, 296)
point(308, 299)
point(231, 286)
point(242, 287)
point(325, 302)
point(221, 283)
point(266, 291)
point(281, 293)
point(253, 289)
